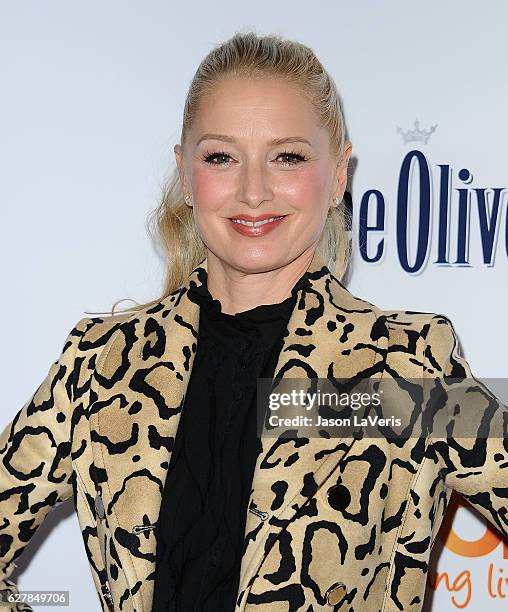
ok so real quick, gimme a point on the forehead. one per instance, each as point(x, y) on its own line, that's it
point(241, 106)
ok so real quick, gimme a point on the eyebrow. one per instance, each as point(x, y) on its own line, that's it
point(275, 141)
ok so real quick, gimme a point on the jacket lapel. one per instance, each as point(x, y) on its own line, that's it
point(331, 335)
point(140, 384)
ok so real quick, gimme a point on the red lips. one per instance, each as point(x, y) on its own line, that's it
point(260, 218)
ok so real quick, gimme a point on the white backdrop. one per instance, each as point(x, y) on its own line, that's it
point(92, 96)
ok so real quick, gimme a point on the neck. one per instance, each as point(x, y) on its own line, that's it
point(240, 289)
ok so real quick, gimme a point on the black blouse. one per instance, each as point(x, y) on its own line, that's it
point(201, 525)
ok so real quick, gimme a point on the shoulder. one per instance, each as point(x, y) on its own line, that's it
point(402, 324)
point(417, 342)
point(97, 333)
point(410, 334)
point(426, 324)
point(413, 343)
point(399, 325)
point(427, 340)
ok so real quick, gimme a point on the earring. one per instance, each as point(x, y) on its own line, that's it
point(337, 202)
point(187, 199)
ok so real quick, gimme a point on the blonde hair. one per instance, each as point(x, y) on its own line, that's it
point(248, 55)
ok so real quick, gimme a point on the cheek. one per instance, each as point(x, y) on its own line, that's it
point(307, 188)
point(209, 188)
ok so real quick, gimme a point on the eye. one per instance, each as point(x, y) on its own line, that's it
point(295, 157)
point(209, 157)
point(219, 158)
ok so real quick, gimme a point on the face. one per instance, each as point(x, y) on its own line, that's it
point(256, 151)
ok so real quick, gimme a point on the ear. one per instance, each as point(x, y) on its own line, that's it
point(341, 171)
point(180, 165)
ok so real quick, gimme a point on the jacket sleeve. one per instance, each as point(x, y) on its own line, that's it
point(474, 461)
point(35, 461)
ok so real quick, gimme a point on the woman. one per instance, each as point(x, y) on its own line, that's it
point(181, 504)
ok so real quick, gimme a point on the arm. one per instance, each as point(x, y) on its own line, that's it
point(475, 466)
point(35, 462)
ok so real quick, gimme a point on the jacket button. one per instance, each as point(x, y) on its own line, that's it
point(335, 593)
point(339, 497)
point(99, 506)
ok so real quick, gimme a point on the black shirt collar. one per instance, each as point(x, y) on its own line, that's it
point(261, 323)
point(200, 294)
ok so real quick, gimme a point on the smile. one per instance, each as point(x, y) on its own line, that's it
point(257, 223)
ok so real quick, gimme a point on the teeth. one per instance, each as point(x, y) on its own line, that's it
point(256, 223)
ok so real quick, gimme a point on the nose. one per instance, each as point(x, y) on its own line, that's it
point(254, 185)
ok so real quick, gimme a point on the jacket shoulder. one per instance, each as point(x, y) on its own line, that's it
point(393, 318)
point(97, 333)
point(110, 323)
point(413, 319)
point(419, 342)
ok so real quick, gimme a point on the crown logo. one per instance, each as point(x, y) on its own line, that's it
point(416, 135)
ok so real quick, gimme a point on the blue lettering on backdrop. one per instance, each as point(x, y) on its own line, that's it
point(403, 211)
point(489, 217)
point(365, 228)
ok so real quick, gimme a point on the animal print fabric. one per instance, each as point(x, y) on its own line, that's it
point(100, 429)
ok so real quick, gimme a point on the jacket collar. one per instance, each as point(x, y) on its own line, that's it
point(142, 380)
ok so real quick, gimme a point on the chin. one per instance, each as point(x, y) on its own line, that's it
point(256, 263)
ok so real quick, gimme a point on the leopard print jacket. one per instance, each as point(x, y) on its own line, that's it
point(100, 429)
